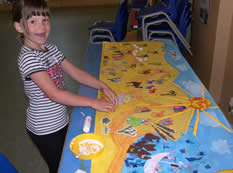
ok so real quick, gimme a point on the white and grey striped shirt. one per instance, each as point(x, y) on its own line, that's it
point(43, 115)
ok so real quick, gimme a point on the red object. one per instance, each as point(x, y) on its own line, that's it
point(134, 22)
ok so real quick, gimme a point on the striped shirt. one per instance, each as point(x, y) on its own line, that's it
point(44, 116)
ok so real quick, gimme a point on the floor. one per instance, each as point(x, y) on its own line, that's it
point(70, 34)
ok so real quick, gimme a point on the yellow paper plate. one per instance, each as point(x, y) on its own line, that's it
point(86, 146)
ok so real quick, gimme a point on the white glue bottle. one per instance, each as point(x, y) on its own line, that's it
point(80, 171)
point(87, 124)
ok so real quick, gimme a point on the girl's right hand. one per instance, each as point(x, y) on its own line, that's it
point(103, 106)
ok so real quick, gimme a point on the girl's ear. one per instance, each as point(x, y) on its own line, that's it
point(18, 27)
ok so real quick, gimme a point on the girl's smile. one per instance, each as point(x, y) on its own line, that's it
point(41, 34)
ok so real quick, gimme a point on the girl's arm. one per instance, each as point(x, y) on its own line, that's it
point(45, 83)
point(87, 79)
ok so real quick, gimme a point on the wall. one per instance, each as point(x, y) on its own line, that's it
point(212, 45)
point(82, 3)
point(203, 39)
point(227, 84)
point(72, 3)
point(223, 34)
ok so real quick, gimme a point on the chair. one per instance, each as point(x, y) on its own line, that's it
point(97, 39)
point(166, 9)
point(167, 6)
point(162, 35)
point(183, 14)
point(138, 4)
point(112, 31)
point(152, 29)
point(6, 166)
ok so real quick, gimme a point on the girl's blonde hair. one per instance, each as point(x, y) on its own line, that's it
point(22, 10)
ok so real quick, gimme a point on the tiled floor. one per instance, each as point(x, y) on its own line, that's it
point(70, 33)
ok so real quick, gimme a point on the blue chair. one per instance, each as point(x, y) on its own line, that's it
point(138, 4)
point(184, 24)
point(6, 166)
point(111, 31)
point(164, 10)
point(153, 29)
point(163, 35)
point(167, 6)
point(183, 14)
point(97, 39)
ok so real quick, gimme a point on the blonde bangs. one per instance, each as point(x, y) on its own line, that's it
point(28, 12)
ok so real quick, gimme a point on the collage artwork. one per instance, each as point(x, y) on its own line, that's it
point(166, 120)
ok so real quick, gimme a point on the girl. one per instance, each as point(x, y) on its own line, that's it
point(41, 67)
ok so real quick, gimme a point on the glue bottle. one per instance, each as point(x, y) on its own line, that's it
point(80, 171)
point(87, 124)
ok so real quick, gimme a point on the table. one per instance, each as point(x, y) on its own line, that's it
point(177, 127)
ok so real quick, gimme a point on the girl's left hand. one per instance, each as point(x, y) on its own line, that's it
point(111, 95)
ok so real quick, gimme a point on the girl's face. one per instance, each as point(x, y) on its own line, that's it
point(35, 32)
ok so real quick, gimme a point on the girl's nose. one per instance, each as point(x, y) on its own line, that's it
point(42, 26)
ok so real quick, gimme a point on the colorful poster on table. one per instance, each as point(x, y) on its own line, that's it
point(166, 120)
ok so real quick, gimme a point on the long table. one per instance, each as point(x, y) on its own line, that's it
point(190, 133)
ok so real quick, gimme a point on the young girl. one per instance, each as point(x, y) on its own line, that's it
point(41, 66)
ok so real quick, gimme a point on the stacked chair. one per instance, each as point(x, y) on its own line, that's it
point(138, 4)
point(111, 31)
point(167, 20)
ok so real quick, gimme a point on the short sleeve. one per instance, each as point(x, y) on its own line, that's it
point(30, 63)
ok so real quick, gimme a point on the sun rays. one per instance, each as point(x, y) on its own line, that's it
point(195, 105)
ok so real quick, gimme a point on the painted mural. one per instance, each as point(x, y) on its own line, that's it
point(166, 121)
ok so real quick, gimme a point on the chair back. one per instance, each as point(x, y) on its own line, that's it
point(6, 166)
point(177, 2)
point(171, 10)
point(166, 6)
point(184, 21)
point(181, 8)
point(138, 4)
point(184, 16)
point(121, 22)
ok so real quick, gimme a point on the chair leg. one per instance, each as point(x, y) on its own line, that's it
point(162, 32)
point(172, 26)
point(101, 33)
point(173, 37)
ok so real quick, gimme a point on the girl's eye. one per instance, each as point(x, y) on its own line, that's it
point(45, 20)
point(32, 21)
